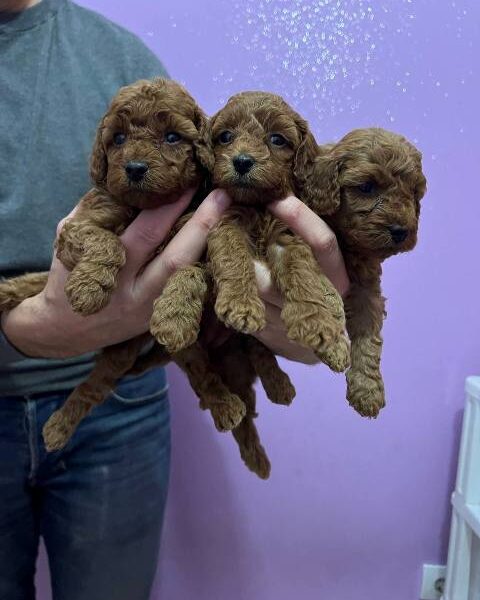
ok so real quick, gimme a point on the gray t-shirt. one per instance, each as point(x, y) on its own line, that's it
point(60, 65)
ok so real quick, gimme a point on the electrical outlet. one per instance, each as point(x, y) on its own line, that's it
point(433, 582)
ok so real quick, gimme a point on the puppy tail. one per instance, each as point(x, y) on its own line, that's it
point(251, 450)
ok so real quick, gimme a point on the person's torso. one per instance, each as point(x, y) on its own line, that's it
point(60, 65)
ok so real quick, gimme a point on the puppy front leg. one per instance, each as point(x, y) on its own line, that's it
point(365, 308)
point(312, 310)
point(177, 313)
point(97, 255)
point(88, 245)
point(238, 304)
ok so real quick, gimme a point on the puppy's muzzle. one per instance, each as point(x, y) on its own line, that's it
point(136, 171)
point(399, 234)
point(243, 163)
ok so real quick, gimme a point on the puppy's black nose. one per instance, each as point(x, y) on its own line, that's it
point(399, 234)
point(243, 163)
point(136, 170)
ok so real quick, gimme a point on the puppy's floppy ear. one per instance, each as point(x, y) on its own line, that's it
point(421, 181)
point(98, 159)
point(304, 161)
point(324, 185)
point(420, 190)
point(203, 144)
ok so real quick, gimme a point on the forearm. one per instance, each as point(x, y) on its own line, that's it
point(8, 353)
point(45, 326)
point(29, 332)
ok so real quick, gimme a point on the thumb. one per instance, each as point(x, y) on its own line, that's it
point(143, 236)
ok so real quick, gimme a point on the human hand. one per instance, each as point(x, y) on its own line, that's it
point(316, 233)
point(46, 326)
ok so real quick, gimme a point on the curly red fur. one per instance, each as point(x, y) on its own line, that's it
point(282, 151)
point(89, 244)
point(331, 180)
point(375, 178)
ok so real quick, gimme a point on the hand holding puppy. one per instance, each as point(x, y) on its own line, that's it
point(313, 230)
point(46, 326)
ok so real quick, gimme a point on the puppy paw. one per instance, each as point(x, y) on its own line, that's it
point(311, 326)
point(246, 315)
point(229, 413)
point(89, 292)
point(337, 356)
point(173, 327)
point(257, 461)
point(280, 390)
point(365, 394)
point(57, 432)
point(87, 298)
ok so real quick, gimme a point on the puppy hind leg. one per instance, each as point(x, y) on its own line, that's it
point(112, 363)
point(251, 450)
point(226, 408)
point(236, 370)
point(276, 383)
point(177, 313)
point(155, 357)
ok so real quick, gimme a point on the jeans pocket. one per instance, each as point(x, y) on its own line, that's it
point(149, 387)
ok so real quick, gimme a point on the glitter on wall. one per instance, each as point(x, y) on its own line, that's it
point(331, 51)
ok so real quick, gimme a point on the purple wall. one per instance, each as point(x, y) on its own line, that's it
point(353, 507)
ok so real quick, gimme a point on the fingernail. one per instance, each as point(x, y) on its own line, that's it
point(275, 203)
point(221, 198)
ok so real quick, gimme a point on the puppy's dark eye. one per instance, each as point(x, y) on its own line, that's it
point(368, 187)
point(278, 140)
point(119, 139)
point(172, 137)
point(225, 137)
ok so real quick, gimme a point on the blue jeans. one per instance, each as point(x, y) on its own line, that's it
point(98, 504)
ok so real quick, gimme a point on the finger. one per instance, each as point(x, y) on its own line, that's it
point(143, 236)
point(187, 246)
point(317, 234)
point(62, 222)
point(60, 271)
point(265, 285)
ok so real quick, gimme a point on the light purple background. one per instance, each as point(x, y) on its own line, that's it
point(354, 507)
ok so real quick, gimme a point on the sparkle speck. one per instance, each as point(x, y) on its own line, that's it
point(332, 54)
